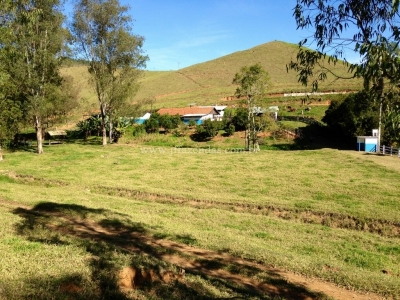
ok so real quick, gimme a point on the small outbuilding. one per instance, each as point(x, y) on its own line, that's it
point(273, 110)
point(56, 136)
point(368, 143)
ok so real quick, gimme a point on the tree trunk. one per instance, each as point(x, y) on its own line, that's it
point(104, 130)
point(110, 132)
point(381, 97)
point(379, 126)
point(103, 125)
point(39, 135)
point(253, 133)
point(247, 139)
point(248, 131)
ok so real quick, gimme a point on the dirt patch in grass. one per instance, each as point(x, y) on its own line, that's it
point(334, 220)
point(133, 278)
point(220, 266)
point(31, 179)
point(70, 288)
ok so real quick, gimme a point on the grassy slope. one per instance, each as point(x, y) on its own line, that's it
point(211, 82)
point(321, 213)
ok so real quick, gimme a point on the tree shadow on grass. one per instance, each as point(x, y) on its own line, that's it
point(314, 137)
point(67, 286)
point(95, 140)
point(199, 137)
point(107, 236)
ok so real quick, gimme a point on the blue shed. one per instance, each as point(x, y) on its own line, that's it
point(367, 143)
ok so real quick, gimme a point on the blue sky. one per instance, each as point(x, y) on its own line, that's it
point(181, 33)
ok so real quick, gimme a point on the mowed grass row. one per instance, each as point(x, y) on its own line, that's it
point(318, 180)
point(67, 178)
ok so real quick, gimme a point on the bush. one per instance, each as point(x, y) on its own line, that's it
point(200, 130)
point(89, 126)
point(164, 121)
point(208, 129)
point(239, 120)
point(152, 125)
point(192, 123)
point(138, 130)
point(211, 128)
point(182, 130)
point(230, 129)
point(176, 121)
point(169, 122)
point(121, 125)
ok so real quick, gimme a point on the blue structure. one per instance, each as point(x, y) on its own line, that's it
point(367, 143)
point(143, 119)
point(139, 121)
point(198, 120)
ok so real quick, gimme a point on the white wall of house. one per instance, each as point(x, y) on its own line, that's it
point(207, 117)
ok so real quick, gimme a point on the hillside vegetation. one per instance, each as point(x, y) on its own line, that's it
point(211, 82)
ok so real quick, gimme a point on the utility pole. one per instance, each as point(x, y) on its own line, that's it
point(380, 126)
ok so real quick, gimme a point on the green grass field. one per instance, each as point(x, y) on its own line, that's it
point(72, 218)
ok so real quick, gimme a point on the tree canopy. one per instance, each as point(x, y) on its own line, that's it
point(102, 33)
point(369, 28)
point(252, 83)
point(31, 45)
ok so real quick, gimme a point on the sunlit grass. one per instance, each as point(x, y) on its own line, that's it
point(215, 200)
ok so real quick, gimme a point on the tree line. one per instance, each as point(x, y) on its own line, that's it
point(371, 30)
point(34, 43)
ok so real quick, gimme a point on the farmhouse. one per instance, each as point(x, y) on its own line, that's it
point(196, 113)
point(220, 109)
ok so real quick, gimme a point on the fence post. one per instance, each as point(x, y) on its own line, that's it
point(391, 150)
point(383, 149)
point(398, 153)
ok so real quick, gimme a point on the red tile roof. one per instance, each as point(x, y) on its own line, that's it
point(182, 111)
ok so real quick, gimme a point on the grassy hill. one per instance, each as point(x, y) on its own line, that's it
point(211, 82)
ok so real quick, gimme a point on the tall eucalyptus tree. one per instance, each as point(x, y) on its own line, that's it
point(30, 56)
point(252, 82)
point(103, 36)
